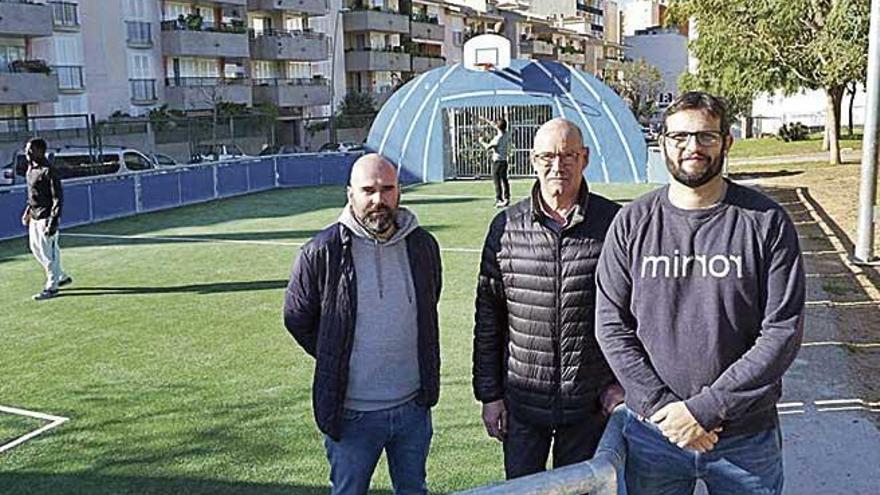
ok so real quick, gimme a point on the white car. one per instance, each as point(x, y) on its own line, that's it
point(217, 152)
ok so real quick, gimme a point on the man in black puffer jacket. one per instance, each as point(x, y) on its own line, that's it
point(538, 369)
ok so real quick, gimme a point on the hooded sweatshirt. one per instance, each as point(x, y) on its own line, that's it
point(384, 366)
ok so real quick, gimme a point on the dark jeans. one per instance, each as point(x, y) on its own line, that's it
point(403, 432)
point(499, 177)
point(527, 445)
point(737, 464)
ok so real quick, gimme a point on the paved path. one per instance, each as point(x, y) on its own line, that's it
point(847, 156)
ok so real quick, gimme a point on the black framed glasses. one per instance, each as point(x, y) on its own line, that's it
point(567, 158)
point(704, 138)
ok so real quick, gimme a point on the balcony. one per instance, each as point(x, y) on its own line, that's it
point(376, 60)
point(23, 88)
point(25, 19)
point(213, 41)
point(537, 48)
point(202, 93)
point(310, 7)
point(424, 64)
point(143, 91)
point(138, 34)
point(70, 78)
point(374, 20)
point(65, 16)
point(427, 30)
point(292, 92)
point(572, 58)
point(275, 44)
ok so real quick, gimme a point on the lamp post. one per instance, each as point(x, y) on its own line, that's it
point(332, 122)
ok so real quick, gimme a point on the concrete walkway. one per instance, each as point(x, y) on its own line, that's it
point(847, 155)
point(830, 407)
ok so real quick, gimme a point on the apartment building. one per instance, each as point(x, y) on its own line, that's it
point(643, 14)
point(25, 83)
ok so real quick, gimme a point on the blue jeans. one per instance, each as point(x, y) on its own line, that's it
point(403, 432)
point(739, 464)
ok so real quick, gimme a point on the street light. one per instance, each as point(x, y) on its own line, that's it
point(332, 122)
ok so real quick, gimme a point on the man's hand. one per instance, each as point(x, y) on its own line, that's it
point(26, 218)
point(495, 419)
point(611, 397)
point(679, 426)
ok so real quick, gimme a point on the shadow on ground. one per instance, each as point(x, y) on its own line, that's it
point(199, 289)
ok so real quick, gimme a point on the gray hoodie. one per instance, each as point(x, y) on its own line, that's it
point(384, 366)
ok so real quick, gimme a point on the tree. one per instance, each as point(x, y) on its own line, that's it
point(638, 84)
point(356, 110)
point(748, 46)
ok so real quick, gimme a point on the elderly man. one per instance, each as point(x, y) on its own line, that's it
point(362, 300)
point(700, 312)
point(538, 369)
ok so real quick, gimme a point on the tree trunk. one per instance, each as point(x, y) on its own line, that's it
point(852, 98)
point(834, 95)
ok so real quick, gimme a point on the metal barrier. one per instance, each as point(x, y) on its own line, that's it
point(94, 199)
point(601, 475)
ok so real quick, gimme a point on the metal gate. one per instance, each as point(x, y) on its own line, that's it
point(465, 129)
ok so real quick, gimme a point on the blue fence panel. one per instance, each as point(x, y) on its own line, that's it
point(337, 170)
point(113, 198)
point(196, 184)
point(231, 179)
point(11, 207)
point(76, 209)
point(160, 191)
point(299, 171)
point(261, 175)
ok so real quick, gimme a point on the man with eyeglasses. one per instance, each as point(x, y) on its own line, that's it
point(538, 369)
point(700, 312)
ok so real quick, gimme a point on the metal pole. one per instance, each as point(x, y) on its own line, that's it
point(332, 121)
point(868, 189)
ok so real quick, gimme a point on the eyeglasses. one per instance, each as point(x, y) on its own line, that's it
point(704, 138)
point(567, 158)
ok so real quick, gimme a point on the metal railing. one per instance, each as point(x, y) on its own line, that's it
point(143, 90)
point(139, 33)
point(293, 81)
point(70, 77)
point(601, 475)
point(288, 33)
point(217, 27)
point(189, 82)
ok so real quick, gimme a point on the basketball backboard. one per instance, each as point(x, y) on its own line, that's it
point(487, 50)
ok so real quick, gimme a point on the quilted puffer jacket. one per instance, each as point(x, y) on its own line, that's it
point(534, 338)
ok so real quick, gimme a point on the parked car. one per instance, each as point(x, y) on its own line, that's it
point(8, 177)
point(280, 149)
point(80, 161)
point(217, 152)
point(161, 160)
point(344, 146)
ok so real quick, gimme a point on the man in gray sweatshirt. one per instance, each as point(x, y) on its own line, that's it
point(362, 300)
point(700, 311)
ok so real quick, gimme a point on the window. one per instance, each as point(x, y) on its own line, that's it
point(65, 14)
point(457, 38)
point(139, 33)
point(9, 54)
point(135, 162)
point(143, 90)
point(70, 77)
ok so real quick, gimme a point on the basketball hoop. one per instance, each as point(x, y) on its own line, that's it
point(485, 66)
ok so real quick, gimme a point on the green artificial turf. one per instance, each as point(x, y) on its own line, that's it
point(172, 363)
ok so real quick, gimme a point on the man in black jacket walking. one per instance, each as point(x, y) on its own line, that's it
point(538, 369)
point(42, 216)
point(362, 300)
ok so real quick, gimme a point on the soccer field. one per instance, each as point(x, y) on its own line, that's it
point(169, 357)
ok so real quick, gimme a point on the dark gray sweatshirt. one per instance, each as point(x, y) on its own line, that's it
point(384, 365)
point(704, 306)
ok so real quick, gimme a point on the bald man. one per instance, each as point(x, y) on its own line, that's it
point(538, 369)
point(362, 300)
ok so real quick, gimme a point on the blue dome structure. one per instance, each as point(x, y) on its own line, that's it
point(418, 127)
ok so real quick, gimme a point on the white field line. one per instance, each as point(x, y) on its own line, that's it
point(835, 343)
point(53, 422)
point(228, 241)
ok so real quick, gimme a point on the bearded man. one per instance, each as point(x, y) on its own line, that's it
point(362, 300)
